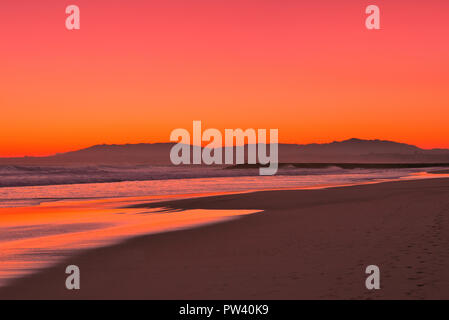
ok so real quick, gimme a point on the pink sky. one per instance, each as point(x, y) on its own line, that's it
point(138, 69)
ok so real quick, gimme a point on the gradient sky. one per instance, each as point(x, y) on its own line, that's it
point(138, 69)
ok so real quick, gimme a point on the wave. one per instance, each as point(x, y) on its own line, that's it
point(18, 176)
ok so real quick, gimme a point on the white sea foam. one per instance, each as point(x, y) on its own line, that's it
point(84, 182)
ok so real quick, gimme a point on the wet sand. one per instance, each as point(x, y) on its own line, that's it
point(306, 244)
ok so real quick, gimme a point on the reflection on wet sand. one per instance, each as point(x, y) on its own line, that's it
point(34, 237)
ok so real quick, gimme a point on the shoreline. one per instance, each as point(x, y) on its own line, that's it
point(306, 244)
point(438, 168)
point(372, 180)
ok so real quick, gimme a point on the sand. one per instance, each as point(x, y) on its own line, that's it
point(439, 171)
point(306, 244)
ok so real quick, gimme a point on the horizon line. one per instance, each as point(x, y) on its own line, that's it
point(223, 146)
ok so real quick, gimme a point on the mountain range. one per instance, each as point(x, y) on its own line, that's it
point(347, 151)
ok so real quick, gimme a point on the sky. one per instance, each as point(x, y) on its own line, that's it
point(136, 70)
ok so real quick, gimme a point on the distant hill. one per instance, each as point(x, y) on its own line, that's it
point(122, 154)
point(362, 151)
point(347, 151)
point(358, 146)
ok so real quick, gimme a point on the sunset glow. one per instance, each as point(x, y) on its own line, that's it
point(135, 72)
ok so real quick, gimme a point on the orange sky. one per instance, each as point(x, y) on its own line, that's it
point(138, 69)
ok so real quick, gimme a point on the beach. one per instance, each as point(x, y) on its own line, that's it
point(303, 244)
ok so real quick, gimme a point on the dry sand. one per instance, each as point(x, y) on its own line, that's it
point(307, 244)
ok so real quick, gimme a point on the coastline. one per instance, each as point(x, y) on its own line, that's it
point(306, 244)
